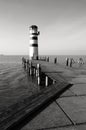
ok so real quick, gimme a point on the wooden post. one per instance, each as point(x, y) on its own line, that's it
point(23, 60)
point(38, 65)
point(38, 80)
point(46, 81)
point(34, 71)
point(48, 59)
point(30, 72)
point(26, 65)
point(38, 72)
point(38, 69)
point(54, 81)
point(55, 60)
point(30, 69)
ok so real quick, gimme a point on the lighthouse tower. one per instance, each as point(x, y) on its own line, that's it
point(33, 52)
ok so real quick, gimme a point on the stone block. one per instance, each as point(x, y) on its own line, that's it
point(50, 117)
point(74, 107)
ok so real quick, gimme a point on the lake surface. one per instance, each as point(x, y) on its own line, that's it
point(18, 58)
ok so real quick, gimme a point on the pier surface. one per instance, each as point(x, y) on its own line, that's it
point(61, 106)
point(68, 112)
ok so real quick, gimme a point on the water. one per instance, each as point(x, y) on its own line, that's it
point(18, 58)
point(10, 59)
point(62, 58)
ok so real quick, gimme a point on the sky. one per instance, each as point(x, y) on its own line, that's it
point(62, 26)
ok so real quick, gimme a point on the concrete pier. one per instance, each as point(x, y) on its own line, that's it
point(68, 112)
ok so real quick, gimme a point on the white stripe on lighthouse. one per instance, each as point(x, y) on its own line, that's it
point(33, 41)
point(33, 35)
point(33, 51)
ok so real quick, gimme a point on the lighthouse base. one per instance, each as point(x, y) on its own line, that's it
point(33, 55)
point(34, 58)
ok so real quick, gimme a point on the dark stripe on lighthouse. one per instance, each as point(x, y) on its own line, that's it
point(34, 38)
point(34, 45)
point(34, 33)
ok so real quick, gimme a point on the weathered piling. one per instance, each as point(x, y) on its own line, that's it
point(67, 61)
point(54, 81)
point(47, 59)
point(34, 71)
point(24, 62)
point(55, 60)
point(38, 80)
point(27, 65)
point(46, 81)
point(38, 74)
point(30, 68)
point(70, 62)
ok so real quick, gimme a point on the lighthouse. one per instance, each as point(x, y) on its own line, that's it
point(33, 50)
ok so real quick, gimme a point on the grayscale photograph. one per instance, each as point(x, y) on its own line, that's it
point(42, 64)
